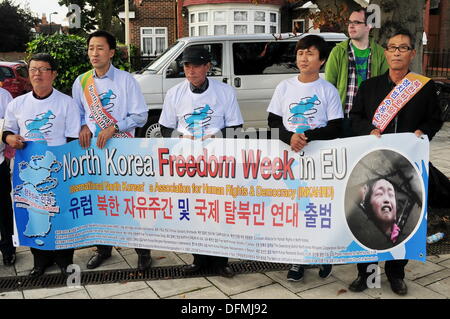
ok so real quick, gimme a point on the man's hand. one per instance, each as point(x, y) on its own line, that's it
point(208, 136)
point(189, 137)
point(298, 141)
point(15, 141)
point(85, 137)
point(376, 132)
point(105, 135)
point(418, 133)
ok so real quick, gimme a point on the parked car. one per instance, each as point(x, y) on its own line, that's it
point(14, 78)
point(252, 64)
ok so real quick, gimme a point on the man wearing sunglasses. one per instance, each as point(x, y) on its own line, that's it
point(353, 61)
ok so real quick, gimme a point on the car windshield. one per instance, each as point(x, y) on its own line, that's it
point(157, 64)
point(6, 73)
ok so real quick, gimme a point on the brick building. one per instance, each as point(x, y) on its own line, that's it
point(156, 24)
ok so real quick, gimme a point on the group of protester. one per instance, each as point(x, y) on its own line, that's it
point(359, 74)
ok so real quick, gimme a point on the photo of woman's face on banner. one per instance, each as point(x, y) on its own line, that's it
point(383, 200)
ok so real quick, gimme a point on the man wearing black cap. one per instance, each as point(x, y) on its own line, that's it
point(200, 108)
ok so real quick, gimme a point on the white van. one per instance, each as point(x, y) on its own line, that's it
point(252, 64)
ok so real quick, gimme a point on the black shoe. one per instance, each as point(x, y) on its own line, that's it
point(360, 284)
point(144, 262)
point(225, 271)
point(398, 286)
point(296, 273)
point(96, 260)
point(64, 271)
point(325, 271)
point(37, 271)
point(9, 260)
point(190, 269)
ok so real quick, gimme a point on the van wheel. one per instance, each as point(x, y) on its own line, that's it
point(151, 129)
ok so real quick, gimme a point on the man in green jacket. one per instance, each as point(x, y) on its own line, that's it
point(353, 61)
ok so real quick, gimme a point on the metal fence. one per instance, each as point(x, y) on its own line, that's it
point(437, 64)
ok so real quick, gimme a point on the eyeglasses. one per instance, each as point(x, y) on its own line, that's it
point(349, 22)
point(41, 70)
point(402, 48)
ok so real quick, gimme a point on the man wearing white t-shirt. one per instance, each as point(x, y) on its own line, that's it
point(121, 109)
point(48, 116)
point(200, 108)
point(306, 108)
point(6, 215)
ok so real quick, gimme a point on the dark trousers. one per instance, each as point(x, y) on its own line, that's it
point(6, 213)
point(207, 261)
point(395, 269)
point(46, 258)
point(106, 251)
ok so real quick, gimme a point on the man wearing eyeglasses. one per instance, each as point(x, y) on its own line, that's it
point(353, 61)
point(416, 111)
point(47, 116)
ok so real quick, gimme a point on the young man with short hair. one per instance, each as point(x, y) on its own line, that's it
point(306, 108)
point(122, 109)
point(353, 61)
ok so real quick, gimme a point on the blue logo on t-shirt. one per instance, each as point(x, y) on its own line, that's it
point(197, 122)
point(302, 109)
point(39, 126)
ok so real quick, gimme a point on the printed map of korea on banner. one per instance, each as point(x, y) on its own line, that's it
point(341, 201)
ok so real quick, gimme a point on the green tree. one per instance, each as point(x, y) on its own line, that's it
point(15, 27)
point(96, 13)
point(71, 54)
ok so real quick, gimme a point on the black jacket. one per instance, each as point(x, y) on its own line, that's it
point(422, 112)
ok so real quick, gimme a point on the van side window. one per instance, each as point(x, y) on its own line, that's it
point(254, 58)
point(176, 70)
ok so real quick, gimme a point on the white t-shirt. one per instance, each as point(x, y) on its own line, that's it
point(5, 98)
point(201, 114)
point(305, 106)
point(50, 120)
point(120, 95)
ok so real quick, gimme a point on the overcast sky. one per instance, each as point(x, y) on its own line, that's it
point(38, 7)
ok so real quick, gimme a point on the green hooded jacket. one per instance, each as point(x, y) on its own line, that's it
point(336, 68)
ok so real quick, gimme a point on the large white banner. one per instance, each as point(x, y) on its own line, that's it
point(339, 201)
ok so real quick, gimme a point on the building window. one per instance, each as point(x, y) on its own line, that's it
point(298, 26)
point(203, 17)
point(232, 19)
point(260, 16)
point(153, 40)
point(273, 17)
point(240, 16)
point(240, 29)
point(203, 30)
point(220, 29)
point(219, 16)
point(260, 29)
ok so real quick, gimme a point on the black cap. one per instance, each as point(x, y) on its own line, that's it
point(196, 55)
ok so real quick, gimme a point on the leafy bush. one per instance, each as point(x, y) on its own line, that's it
point(70, 52)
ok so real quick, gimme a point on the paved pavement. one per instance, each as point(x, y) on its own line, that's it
point(429, 280)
